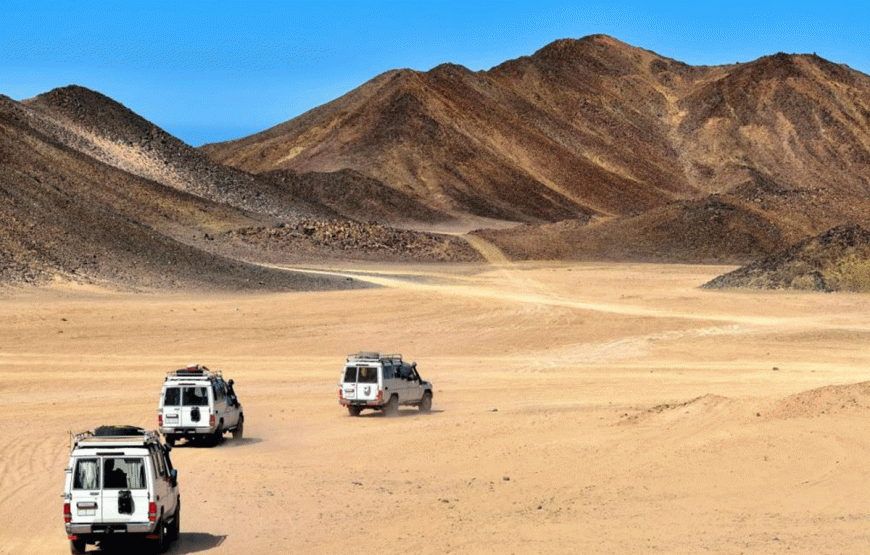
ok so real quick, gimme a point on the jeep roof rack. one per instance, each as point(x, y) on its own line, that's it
point(193, 371)
point(374, 357)
point(115, 436)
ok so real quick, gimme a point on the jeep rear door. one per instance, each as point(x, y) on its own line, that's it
point(360, 383)
point(194, 410)
point(125, 489)
point(171, 407)
point(86, 503)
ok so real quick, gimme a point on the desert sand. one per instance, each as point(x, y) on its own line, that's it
point(579, 408)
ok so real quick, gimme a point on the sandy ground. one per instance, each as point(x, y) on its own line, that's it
point(578, 409)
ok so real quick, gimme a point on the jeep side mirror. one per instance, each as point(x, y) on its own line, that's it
point(173, 477)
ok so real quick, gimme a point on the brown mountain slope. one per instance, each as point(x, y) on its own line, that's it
point(399, 130)
point(595, 127)
point(789, 133)
point(713, 229)
point(350, 194)
point(66, 214)
point(105, 130)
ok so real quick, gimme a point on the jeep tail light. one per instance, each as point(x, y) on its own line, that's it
point(211, 420)
point(159, 420)
point(152, 512)
point(380, 395)
point(67, 512)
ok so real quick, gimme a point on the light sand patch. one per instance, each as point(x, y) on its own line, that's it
point(590, 408)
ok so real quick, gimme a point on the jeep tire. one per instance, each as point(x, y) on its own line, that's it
point(176, 522)
point(77, 547)
point(392, 406)
point(354, 410)
point(426, 402)
point(239, 432)
point(218, 434)
point(161, 543)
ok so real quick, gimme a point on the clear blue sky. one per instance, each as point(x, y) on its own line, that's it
point(211, 71)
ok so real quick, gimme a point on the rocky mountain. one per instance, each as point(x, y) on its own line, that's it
point(65, 214)
point(103, 129)
point(595, 130)
point(94, 193)
point(837, 260)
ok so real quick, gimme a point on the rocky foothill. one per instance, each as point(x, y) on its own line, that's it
point(345, 239)
point(837, 260)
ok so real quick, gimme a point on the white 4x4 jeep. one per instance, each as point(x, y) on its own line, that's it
point(120, 484)
point(197, 403)
point(382, 382)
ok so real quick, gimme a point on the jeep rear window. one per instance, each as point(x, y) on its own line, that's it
point(172, 397)
point(124, 473)
point(350, 374)
point(195, 396)
point(87, 474)
point(368, 375)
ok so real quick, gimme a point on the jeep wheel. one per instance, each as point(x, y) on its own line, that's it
point(160, 544)
point(240, 429)
point(353, 410)
point(176, 522)
point(392, 406)
point(77, 547)
point(218, 435)
point(426, 402)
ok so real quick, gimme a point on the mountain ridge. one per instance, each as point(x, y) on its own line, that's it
point(591, 127)
point(587, 149)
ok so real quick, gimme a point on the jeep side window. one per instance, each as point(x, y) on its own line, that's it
point(167, 459)
point(171, 397)
point(87, 474)
point(389, 372)
point(194, 397)
point(218, 391)
point(350, 374)
point(157, 461)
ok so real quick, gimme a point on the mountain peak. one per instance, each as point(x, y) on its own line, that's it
point(94, 111)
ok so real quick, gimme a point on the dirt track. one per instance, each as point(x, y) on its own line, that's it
point(578, 409)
